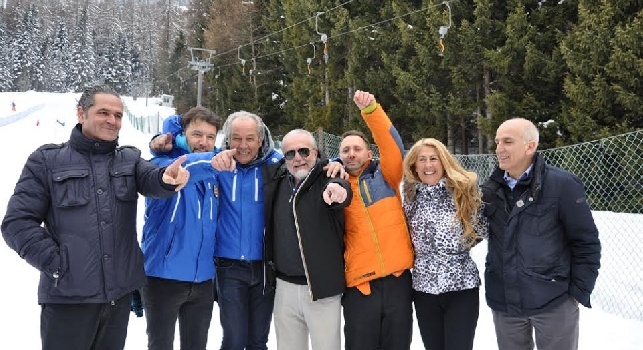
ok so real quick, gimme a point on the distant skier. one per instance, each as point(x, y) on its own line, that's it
point(13, 106)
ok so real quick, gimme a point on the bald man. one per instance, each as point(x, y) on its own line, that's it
point(544, 252)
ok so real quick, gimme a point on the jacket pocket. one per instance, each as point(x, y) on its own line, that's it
point(541, 218)
point(539, 288)
point(170, 244)
point(124, 182)
point(70, 188)
point(80, 274)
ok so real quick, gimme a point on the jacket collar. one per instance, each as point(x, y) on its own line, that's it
point(369, 168)
point(84, 144)
point(533, 180)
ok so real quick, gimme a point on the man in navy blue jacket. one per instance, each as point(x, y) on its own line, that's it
point(544, 252)
point(85, 193)
point(179, 236)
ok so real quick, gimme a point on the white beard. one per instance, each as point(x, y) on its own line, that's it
point(300, 174)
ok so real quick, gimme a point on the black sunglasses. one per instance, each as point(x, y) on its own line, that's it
point(303, 152)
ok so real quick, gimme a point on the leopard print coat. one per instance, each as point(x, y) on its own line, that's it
point(442, 264)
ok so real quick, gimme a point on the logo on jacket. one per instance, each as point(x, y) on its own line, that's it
point(215, 190)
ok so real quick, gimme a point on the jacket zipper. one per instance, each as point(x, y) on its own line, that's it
point(301, 247)
point(370, 222)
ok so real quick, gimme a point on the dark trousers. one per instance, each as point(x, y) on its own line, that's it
point(165, 301)
point(85, 326)
point(382, 320)
point(245, 310)
point(448, 321)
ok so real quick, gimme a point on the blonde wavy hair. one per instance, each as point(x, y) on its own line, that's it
point(460, 182)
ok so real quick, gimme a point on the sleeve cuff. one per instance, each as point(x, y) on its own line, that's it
point(370, 108)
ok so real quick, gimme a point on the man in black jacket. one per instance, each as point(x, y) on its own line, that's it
point(544, 251)
point(85, 193)
point(304, 245)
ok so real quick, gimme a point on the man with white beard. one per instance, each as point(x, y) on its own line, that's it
point(304, 220)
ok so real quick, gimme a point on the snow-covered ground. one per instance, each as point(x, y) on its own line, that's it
point(620, 282)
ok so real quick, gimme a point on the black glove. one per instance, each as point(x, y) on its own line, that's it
point(137, 304)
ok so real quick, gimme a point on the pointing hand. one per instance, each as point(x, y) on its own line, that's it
point(175, 174)
point(162, 143)
point(334, 193)
point(224, 161)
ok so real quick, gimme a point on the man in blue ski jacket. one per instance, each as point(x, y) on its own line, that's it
point(245, 301)
point(179, 236)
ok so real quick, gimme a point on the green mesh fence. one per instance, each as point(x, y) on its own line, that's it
point(611, 170)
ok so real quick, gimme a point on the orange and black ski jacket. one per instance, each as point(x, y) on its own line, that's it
point(377, 239)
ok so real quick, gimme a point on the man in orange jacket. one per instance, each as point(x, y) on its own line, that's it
point(378, 301)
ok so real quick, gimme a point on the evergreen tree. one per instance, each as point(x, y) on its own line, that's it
point(528, 67)
point(180, 80)
point(419, 71)
point(304, 106)
point(489, 18)
point(25, 50)
point(5, 69)
point(117, 68)
point(83, 54)
point(123, 65)
point(58, 57)
point(168, 23)
point(603, 87)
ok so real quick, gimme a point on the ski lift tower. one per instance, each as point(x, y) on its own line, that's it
point(200, 61)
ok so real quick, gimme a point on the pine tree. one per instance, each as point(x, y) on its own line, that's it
point(181, 84)
point(527, 69)
point(5, 72)
point(123, 65)
point(25, 50)
point(603, 53)
point(58, 58)
point(117, 67)
point(83, 55)
point(489, 18)
point(420, 72)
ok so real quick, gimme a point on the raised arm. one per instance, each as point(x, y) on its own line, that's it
point(386, 137)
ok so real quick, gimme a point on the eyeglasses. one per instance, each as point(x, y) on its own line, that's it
point(303, 152)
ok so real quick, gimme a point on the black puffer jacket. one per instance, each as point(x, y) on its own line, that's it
point(85, 192)
point(543, 243)
point(320, 228)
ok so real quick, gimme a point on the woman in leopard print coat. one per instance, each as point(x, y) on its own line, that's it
point(443, 210)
